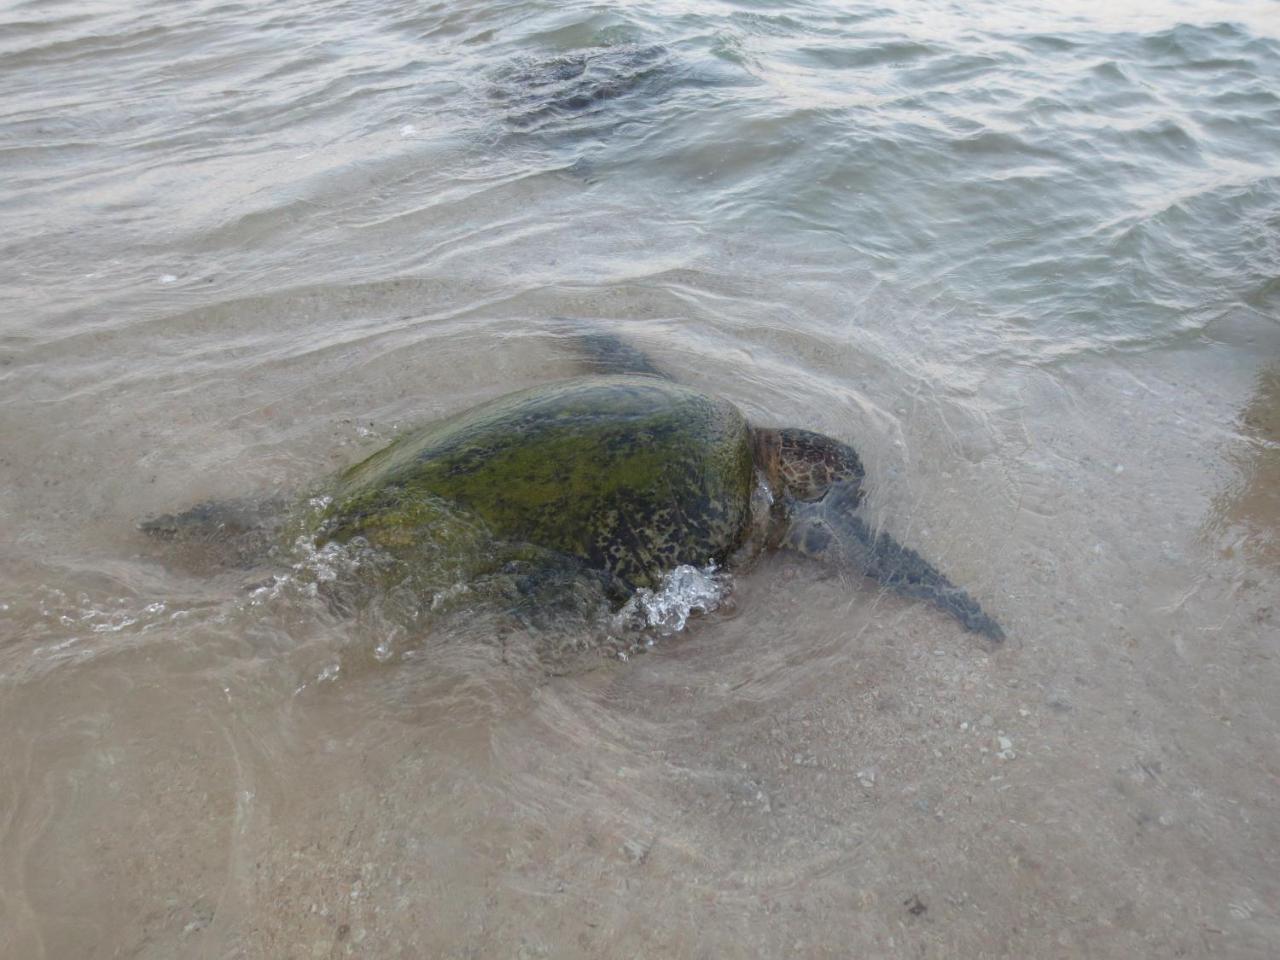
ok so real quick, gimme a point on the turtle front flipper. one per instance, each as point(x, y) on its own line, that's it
point(818, 515)
point(604, 352)
point(833, 532)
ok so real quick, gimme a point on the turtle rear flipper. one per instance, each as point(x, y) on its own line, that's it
point(232, 533)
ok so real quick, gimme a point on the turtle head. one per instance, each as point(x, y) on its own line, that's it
point(803, 466)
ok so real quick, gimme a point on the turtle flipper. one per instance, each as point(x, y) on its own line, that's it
point(233, 532)
point(839, 536)
point(604, 352)
point(905, 571)
point(820, 483)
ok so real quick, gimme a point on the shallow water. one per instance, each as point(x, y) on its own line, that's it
point(1024, 258)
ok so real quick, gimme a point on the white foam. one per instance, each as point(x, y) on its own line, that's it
point(685, 590)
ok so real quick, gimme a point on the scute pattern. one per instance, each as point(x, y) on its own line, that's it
point(632, 475)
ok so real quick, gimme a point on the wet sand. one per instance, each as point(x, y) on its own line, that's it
point(817, 769)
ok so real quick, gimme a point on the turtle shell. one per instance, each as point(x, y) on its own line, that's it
point(633, 475)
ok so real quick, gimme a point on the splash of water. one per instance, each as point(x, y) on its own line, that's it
point(686, 590)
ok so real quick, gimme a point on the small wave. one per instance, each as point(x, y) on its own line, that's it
point(845, 57)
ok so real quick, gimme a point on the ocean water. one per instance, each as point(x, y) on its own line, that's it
point(1024, 257)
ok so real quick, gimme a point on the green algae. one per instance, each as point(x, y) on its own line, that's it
point(630, 475)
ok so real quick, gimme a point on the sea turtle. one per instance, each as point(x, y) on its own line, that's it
point(621, 475)
point(538, 93)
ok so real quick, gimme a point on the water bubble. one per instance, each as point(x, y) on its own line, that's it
point(684, 591)
point(329, 673)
